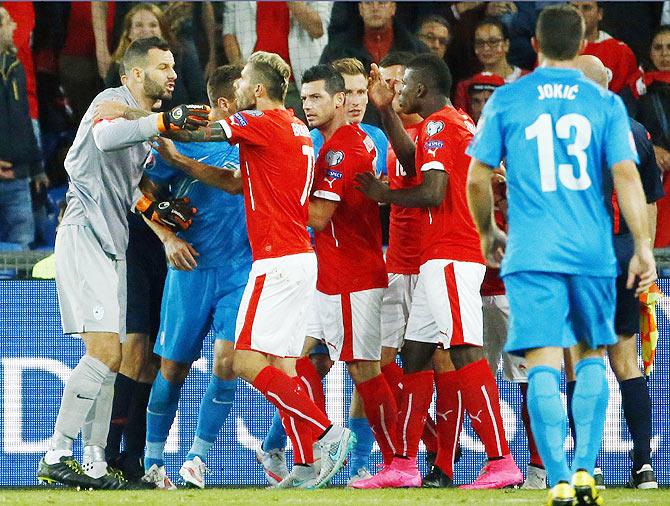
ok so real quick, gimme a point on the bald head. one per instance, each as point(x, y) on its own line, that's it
point(593, 68)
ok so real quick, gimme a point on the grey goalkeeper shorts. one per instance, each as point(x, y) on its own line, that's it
point(91, 285)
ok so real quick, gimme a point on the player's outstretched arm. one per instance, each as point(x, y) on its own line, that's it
point(632, 203)
point(429, 193)
point(226, 180)
point(381, 94)
point(213, 132)
point(480, 202)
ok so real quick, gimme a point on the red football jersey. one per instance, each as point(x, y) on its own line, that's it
point(448, 231)
point(277, 165)
point(403, 255)
point(617, 57)
point(349, 249)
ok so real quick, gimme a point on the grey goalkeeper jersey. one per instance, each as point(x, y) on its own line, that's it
point(104, 166)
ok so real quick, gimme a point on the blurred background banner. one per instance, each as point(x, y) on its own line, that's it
point(35, 360)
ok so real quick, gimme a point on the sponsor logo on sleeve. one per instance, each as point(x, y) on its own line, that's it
point(334, 158)
point(332, 175)
point(238, 119)
point(434, 127)
point(433, 146)
point(254, 113)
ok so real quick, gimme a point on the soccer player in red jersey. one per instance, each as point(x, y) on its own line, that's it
point(402, 263)
point(277, 165)
point(351, 270)
point(446, 308)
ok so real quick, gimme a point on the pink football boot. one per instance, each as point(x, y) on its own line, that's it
point(498, 473)
point(400, 473)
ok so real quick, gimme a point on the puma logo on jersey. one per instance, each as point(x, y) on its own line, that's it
point(476, 417)
point(332, 176)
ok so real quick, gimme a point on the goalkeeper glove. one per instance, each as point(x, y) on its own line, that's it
point(184, 117)
point(175, 214)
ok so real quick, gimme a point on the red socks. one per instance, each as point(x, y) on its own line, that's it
point(381, 411)
point(306, 372)
point(393, 374)
point(449, 414)
point(417, 394)
point(535, 458)
point(285, 393)
point(479, 392)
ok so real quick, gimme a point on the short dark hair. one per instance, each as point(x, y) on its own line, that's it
point(433, 72)
point(396, 58)
point(560, 31)
point(136, 54)
point(221, 82)
point(432, 18)
point(492, 21)
point(273, 72)
point(333, 80)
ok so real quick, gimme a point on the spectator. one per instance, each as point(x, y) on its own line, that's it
point(372, 35)
point(296, 31)
point(479, 90)
point(491, 48)
point(79, 68)
point(653, 111)
point(147, 20)
point(433, 31)
point(20, 158)
point(615, 55)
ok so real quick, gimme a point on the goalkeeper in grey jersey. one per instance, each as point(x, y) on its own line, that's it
point(105, 166)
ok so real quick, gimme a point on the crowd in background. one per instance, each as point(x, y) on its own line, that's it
point(56, 56)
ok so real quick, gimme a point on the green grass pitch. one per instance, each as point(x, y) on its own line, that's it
point(335, 496)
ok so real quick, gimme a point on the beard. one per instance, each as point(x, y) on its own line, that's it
point(154, 91)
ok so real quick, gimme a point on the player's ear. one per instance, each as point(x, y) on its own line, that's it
point(137, 74)
point(582, 46)
point(259, 90)
point(421, 90)
point(535, 45)
point(340, 98)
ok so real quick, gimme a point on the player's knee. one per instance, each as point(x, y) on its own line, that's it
point(322, 363)
point(174, 372)
point(417, 356)
point(465, 355)
point(363, 370)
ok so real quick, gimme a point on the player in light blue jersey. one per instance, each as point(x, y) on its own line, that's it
point(203, 290)
point(560, 135)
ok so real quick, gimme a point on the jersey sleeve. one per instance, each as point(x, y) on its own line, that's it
point(247, 127)
point(488, 144)
point(331, 169)
point(619, 141)
point(435, 147)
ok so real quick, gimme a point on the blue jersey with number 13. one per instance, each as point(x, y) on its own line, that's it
point(559, 134)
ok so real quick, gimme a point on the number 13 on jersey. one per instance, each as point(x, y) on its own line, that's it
point(545, 132)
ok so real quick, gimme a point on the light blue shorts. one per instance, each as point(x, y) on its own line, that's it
point(557, 310)
point(194, 302)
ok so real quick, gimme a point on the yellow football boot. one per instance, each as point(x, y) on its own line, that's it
point(585, 489)
point(561, 494)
